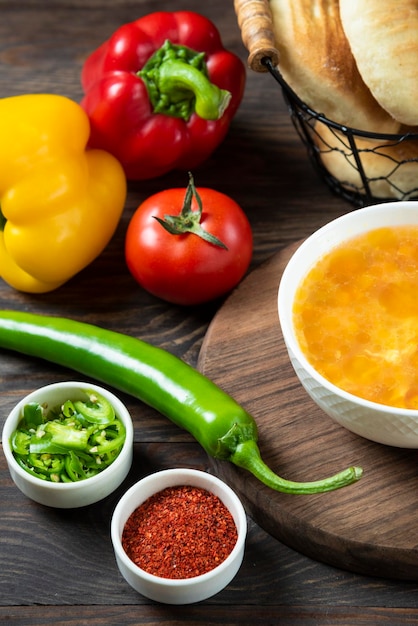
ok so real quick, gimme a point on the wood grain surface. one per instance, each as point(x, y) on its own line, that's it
point(369, 527)
point(58, 567)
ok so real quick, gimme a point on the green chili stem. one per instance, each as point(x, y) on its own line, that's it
point(247, 455)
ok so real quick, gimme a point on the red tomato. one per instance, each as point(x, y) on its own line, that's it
point(185, 268)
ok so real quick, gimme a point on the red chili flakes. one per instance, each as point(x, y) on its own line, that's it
point(180, 532)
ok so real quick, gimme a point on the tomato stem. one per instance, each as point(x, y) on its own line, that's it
point(188, 221)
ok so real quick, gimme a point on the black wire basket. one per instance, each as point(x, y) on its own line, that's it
point(361, 167)
point(394, 177)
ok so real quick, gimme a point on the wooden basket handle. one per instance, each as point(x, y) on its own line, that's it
point(255, 22)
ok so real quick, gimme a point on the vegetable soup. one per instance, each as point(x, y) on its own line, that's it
point(356, 316)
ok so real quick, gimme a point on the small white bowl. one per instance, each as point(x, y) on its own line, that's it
point(377, 422)
point(187, 590)
point(77, 494)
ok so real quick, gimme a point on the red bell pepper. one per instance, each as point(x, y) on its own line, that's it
point(161, 93)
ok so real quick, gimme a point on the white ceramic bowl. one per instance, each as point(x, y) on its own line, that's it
point(77, 494)
point(187, 590)
point(377, 422)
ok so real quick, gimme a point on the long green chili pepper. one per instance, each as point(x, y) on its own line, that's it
point(160, 379)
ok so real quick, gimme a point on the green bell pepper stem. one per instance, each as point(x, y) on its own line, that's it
point(177, 82)
point(178, 78)
point(161, 380)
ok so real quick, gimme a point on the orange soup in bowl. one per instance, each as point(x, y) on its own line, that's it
point(356, 316)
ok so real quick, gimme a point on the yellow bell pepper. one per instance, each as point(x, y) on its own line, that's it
point(60, 203)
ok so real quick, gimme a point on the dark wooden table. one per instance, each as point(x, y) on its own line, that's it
point(57, 566)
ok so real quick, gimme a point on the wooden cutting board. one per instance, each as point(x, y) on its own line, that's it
point(370, 527)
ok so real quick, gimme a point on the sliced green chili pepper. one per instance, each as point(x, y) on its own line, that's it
point(28, 468)
point(110, 440)
point(161, 380)
point(69, 443)
point(74, 467)
point(45, 464)
point(46, 446)
point(33, 414)
point(96, 410)
point(20, 442)
point(67, 435)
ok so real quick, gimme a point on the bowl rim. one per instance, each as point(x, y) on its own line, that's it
point(185, 477)
point(283, 300)
point(14, 415)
